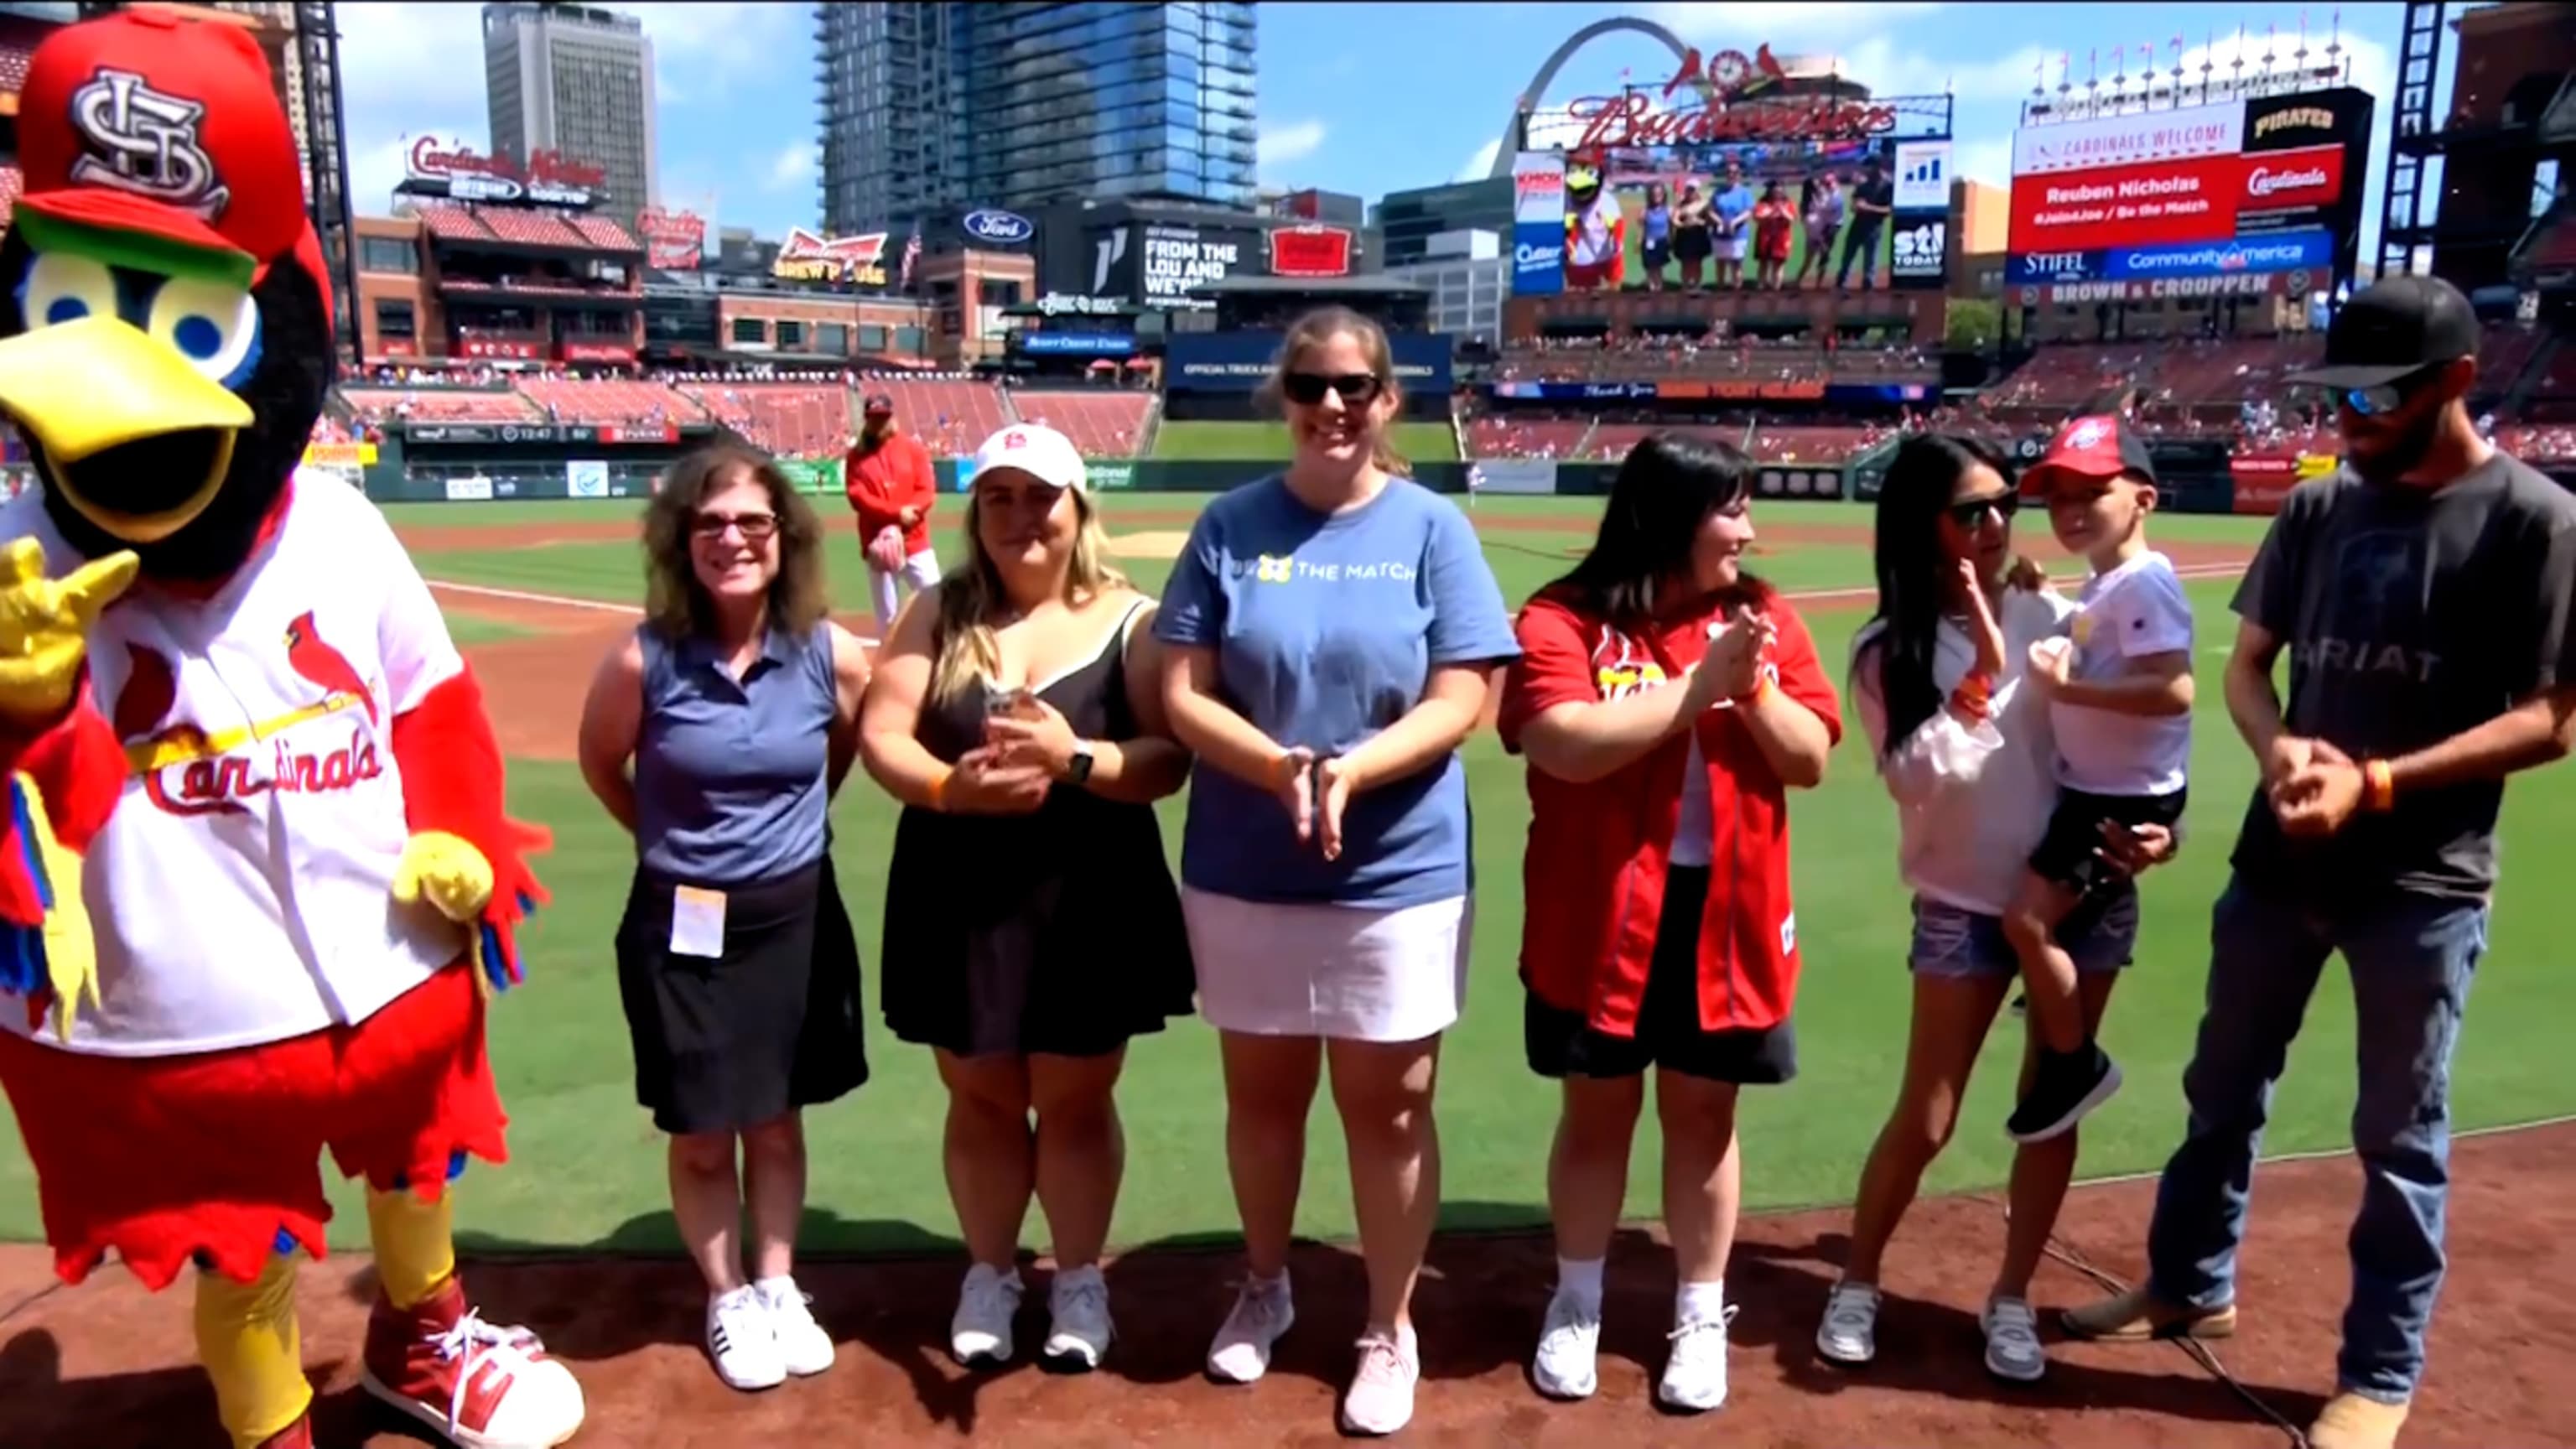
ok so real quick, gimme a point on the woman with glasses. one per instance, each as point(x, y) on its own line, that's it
point(1332, 632)
point(736, 702)
point(1964, 751)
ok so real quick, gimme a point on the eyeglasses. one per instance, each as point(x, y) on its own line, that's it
point(755, 526)
point(1970, 514)
point(1306, 389)
point(2387, 397)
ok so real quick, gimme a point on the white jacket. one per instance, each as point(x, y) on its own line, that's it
point(1971, 804)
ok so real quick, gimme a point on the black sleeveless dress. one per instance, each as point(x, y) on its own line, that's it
point(1056, 932)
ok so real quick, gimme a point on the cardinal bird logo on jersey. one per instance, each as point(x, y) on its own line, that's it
point(309, 656)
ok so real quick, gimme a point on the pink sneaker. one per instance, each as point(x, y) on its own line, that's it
point(1380, 1400)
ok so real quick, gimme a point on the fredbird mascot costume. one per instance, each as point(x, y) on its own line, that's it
point(255, 880)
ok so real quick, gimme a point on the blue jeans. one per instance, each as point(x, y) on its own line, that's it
point(2411, 958)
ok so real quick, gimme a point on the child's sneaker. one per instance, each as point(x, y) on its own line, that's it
point(2066, 1087)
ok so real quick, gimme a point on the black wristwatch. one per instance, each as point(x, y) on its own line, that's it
point(1078, 770)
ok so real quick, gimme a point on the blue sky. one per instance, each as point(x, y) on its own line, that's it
point(1361, 98)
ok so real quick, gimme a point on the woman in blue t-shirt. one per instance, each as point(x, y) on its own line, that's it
point(1332, 632)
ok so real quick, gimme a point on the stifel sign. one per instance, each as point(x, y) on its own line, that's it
point(1738, 108)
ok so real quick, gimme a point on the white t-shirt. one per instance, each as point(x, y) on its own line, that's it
point(242, 890)
point(1592, 241)
point(2136, 609)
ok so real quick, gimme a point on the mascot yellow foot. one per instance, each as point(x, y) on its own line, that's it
point(429, 1354)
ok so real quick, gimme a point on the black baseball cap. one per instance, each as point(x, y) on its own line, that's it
point(879, 402)
point(2099, 445)
point(2392, 328)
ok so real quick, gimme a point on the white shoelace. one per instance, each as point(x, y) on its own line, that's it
point(796, 1308)
point(1688, 1333)
point(1382, 1357)
point(477, 1342)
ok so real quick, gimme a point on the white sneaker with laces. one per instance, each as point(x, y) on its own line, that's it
point(986, 1303)
point(1569, 1345)
point(1695, 1374)
point(2013, 1349)
point(804, 1349)
point(1262, 1312)
point(740, 1342)
point(1849, 1334)
point(1078, 1307)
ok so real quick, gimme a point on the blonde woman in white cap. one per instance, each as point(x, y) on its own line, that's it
point(1017, 714)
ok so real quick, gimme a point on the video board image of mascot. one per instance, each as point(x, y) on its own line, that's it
point(1774, 216)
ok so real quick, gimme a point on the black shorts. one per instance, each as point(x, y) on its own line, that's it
point(1655, 254)
point(2068, 855)
point(1561, 1043)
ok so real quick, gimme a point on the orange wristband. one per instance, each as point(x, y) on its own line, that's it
point(1760, 691)
point(2379, 784)
point(939, 788)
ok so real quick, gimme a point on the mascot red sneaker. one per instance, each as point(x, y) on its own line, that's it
point(255, 880)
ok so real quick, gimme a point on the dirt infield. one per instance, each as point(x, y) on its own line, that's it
point(104, 1366)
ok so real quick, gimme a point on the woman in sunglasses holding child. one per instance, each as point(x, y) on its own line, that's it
point(1031, 924)
point(1331, 635)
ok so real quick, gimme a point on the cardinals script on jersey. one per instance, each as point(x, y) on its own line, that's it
point(257, 734)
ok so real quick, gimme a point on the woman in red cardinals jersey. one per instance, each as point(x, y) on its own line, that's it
point(1668, 702)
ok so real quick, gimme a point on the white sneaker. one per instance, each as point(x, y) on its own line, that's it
point(1261, 1313)
point(986, 1304)
point(1569, 1344)
point(740, 1342)
point(803, 1347)
point(1695, 1374)
point(1849, 1333)
point(1078, 1307)
point(2013, 1350)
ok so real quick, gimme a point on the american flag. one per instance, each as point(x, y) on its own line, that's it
point(911, 255)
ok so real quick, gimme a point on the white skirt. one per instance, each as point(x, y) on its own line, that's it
point(1330, 971)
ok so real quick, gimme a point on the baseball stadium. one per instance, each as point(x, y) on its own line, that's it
point(525, 358)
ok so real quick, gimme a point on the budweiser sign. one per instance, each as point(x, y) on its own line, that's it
point(857, 260)
point(1742, 104)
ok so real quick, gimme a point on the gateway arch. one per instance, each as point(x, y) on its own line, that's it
point(1536, 91)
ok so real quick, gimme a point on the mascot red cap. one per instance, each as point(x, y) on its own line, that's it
point(256, 883)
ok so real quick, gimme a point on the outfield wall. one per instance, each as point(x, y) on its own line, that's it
point(2196, 478)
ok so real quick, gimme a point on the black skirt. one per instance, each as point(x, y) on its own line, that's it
point(723, 1044)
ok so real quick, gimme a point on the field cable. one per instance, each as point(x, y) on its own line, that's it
point(2073, 1257)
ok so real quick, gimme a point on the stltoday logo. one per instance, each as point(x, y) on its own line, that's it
point(1000, 227)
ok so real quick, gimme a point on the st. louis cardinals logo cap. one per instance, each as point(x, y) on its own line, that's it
point(2092, 447)
point(150, 123)
point(1037, 450)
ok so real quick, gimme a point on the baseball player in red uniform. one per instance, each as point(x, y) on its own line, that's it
point(255, 879)
point(892, 489)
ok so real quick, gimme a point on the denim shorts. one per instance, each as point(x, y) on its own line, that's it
point(2102, 935)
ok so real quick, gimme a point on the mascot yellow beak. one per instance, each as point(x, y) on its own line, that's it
point(83, 387)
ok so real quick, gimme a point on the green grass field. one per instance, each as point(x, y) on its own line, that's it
point(1227, 442)
point(587, 1168)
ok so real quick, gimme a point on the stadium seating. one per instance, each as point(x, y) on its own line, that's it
point(952, 415)
point(789, 419)
point(1519, 437)
point(439, 405)
point(11, 182)
point(594, 402)
point(1103, 423)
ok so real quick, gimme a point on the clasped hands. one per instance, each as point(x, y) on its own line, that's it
point(1028, 746)
point(2313, 787)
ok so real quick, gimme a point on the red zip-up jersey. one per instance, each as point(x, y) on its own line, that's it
point(1594, 871)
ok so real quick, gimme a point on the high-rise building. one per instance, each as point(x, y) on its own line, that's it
point(578, 81)
point(929, 108)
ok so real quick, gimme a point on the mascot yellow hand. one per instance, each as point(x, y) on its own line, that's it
point(71, 952)
point(44, 626)
point(451, 873)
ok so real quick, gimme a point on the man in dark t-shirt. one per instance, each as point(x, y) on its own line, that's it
point(1873, 201)
point(2425, 593)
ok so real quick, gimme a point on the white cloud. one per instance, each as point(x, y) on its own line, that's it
point(1481, 165)
point(1279, 145)
point(794, 166)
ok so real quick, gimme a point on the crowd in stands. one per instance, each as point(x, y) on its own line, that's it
point(1713, 355)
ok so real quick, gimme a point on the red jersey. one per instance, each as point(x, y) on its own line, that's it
point(882, 483)
point(1594, 871)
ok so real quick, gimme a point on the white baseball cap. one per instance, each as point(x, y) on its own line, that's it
point(1039, 451)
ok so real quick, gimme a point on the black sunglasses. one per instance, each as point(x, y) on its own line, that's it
point(1970, 513)
point(1306, 389)
point(2388, 397)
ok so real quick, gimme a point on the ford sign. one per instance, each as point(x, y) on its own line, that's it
point(1001, 227)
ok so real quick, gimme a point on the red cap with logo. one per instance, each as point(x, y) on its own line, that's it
point(151, 123)
point(2092, 447)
